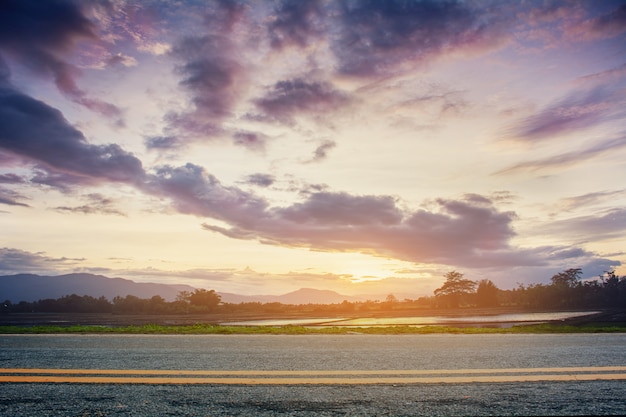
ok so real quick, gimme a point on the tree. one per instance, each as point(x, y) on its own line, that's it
point(568, 278)
point(205, 299)
point(487, 293)
point(455, 288)
point(390, 301)
point(564, 289)
point(614, 289)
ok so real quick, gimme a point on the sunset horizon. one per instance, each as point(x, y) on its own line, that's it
point(361, 147)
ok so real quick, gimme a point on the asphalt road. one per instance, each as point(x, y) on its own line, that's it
point(355, 356)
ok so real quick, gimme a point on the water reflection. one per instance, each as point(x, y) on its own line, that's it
point(287, 322)
point(502, 320)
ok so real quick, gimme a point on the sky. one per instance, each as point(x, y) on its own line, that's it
point(366, 147)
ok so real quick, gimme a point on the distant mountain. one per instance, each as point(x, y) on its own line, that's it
point(28, 287)
point(301, 296)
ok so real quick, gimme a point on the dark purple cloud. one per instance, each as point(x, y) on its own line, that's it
point(580, 110)
point(11, 179)
point(608, 224)
point(468, 232)
point(211, 73)
point(260, 180)
point(321, 152)
point(62, 181)
point(40, 33)
point(193, 191)
point(11, 198)
point(568, 158)
point(162, 142)
point(605, 26)
point(330, 209)
point(296, 22)
point(378, 36)
point(598, 267)
point(289, 98)
point(253, 141)
point(39, 133)
point(589, 199)
point(48, 26)
point(14, 261)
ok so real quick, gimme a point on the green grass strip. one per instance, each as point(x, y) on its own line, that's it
point(301, 330)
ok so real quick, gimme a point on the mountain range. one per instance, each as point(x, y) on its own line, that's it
point(30, 287)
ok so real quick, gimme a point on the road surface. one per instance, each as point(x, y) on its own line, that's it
point(313, 375)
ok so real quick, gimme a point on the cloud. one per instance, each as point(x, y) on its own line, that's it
point(193, 191)
point(62, 181)
point(608, 25)
point(296, 22)
point(289, 98)
point(330, 209)
point(377, 37)
point(121, 59)
point(581, 109)
point(437, 100)
point(11, 198)
point(137, 22)
point(13, 261)
point(11, 179)
point(321, 152)
point(467, 232)
point(597, 267)
point(568, 158)
point(585, 200)
point(607, 77)
point(162, 142)
point(211, 73)
point(261, 180)
point(96, 204)
point(39, 35)
point(605, 225)
point(208, 72)
point(253, 141)
point(34, 130)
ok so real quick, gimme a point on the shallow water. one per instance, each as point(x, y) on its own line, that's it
point(499, 319)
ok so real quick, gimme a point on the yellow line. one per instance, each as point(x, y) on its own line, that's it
point(311, 381)
point(307, 372)
point(293, 377)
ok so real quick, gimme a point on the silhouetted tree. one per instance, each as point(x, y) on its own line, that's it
point(565, 290)
point(454, 288)
point(568, 278)
point(203, 299)
point(487, 293)
point(614, 294)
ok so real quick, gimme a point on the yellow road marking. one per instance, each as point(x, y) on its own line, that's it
point(321, 377)
point(312, 381)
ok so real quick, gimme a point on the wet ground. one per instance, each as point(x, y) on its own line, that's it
point(449, 317)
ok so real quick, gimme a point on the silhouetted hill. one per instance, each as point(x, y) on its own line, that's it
point(29, 287)
point(301, 296)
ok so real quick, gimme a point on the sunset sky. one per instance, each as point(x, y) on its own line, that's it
point(366, 147)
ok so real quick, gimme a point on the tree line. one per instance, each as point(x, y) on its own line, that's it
point(565, 291)
point(198, 301)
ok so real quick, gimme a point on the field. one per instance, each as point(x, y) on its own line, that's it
point(606, 321)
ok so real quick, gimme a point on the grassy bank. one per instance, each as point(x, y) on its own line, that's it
point(199, 329)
